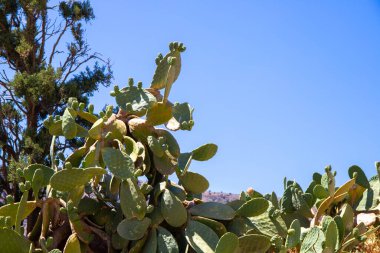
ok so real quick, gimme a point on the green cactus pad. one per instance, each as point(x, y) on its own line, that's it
point(253, 207)
point(120, 165)
point(253, 244)
point(151, 243)
point(76, 157)
point(240, 226)
point(140, 129)
point(89, 159)
point(182, 117)
point(172, 143)
point(371, 196)
point(55, 128)
point(72, 245)
point(38, 181)
point(328, 181)
point(96, 130)
point(213, 210)
point(155, 146)
point(139, 99)
point(200, 237)
point(332, 236)
point(269, 225)
point(87, 116)
point(347, 214)
point(158, 114)
point(228, 243)
point(131, 147)
point(361, 178)
point(132, 200)
point(118, 129)
point(47, 173)
point(293, 238)
point(66, 180)
point(217, 226)
point(165, 164)
point(161, 74)
point(133, 229)
point(205, 152)
point(177, 191)
point(165, 241)
point(12, 242)
point(194, 182)
point(69, 127)
point(320, 192)
point(313, 241)
point(340, 226)
point(11, 210)
point(172, 209)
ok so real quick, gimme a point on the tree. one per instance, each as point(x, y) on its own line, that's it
point(38, 73)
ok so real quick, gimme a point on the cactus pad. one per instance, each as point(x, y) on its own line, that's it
point(172, 209)
point(194, 182)
point(200, 237)
point(69, 179)
point(133, 229)
point(313, 241)
point(205, 152)
point(69, 127)
point(11, 210)
point(253, 207)
point(120, 165)
point(165, 241)
point(12, 242)
point(253, 244)
point(213, 210)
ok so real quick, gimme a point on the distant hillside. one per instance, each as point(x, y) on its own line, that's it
point(220, 197)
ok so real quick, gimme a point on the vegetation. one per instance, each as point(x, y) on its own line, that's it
point(114, 193)
point(37, 76)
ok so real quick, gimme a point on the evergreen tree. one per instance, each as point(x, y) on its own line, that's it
point(43, 59)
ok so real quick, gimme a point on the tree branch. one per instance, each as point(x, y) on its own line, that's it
point(57, 41)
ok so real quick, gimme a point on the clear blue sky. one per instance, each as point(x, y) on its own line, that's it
point(283, 87)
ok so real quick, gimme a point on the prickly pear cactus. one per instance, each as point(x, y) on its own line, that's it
point(130, 188)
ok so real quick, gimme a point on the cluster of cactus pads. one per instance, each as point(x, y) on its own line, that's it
point(119, 193)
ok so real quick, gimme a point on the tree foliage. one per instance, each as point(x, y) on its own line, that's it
point(44, 60)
